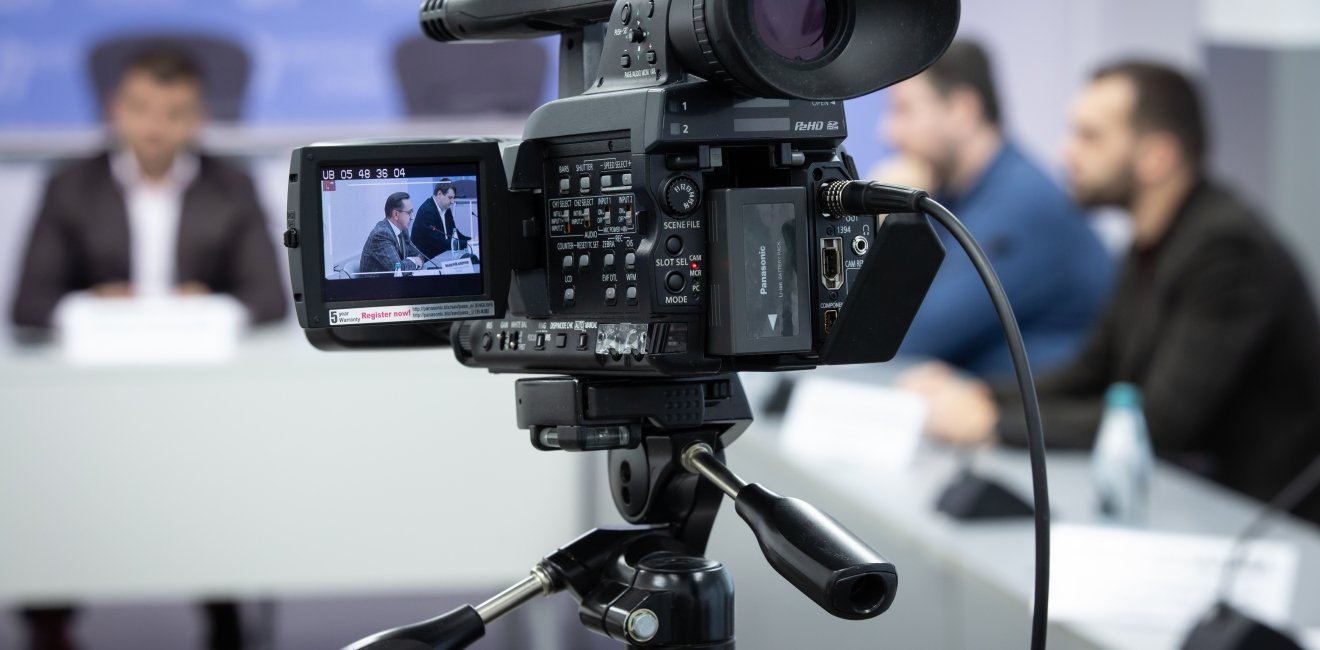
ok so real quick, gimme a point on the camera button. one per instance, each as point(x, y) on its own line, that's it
point(564, 185)
point(611, 295)
point(606, 180)
point(568, 262)
point(674, 244)
point(569, 295)
point(584, 184)
point(584, 262)
point(582, 341)
point(627, 13)
point(631, 294)
point(487, 341)
point(609, 260)
point(561, 340)
point(630, 260)
point(540, 340)
point(627, 180)
point(675, 282)
point(625, 62)
point(651, 57)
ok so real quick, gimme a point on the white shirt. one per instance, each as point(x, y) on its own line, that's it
point(154, 212)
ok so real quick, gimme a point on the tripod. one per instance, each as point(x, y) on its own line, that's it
point(648, 585)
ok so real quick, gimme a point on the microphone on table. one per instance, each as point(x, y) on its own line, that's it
point(1225, 627)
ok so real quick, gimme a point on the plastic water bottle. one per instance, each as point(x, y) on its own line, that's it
point(1122, 461)
point(454, 244)
point(398, 269)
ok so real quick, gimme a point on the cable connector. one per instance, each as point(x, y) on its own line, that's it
point(843, 198)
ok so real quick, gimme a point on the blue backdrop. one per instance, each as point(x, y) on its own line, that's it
point(312, 60)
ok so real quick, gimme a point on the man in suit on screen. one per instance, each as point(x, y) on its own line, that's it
point(435, 226)
point(389, 244)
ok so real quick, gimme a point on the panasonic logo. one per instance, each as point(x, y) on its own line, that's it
point(765, 281)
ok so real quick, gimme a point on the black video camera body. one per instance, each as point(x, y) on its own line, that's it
point(665, 217)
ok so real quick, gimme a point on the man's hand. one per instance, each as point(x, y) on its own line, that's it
point(417, 261)
point(113, 290)
point(193, 288)
point(961, 411)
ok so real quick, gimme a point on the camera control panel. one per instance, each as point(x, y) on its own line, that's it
point(609, 252)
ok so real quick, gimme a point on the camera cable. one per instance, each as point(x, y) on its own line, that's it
point(860, 198)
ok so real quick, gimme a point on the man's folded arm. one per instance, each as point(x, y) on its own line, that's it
point(257, 282)
point(47, 273)
point(1071, 398)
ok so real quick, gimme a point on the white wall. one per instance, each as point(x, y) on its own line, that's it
point(1043, 51)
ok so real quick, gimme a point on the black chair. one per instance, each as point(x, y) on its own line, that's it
point(224, 64)
point(470, 78)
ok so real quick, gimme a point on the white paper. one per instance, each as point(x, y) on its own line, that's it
point(841, 421)
point(1135, 578)
point(149, 331)
point(457, 267)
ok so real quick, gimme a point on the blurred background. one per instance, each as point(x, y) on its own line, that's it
point(273, 496)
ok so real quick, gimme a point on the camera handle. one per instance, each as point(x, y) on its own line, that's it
point(649, 585)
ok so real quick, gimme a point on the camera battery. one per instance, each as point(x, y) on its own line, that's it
point(760, 284)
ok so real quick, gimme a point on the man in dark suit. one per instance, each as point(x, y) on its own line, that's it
point(388, 244)
point(435, 226)
point(1211, 317)
point(150, 215)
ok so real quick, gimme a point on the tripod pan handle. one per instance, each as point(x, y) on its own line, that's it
point(450, 631)
point(818, 555)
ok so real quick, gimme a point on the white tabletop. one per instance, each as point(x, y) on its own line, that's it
point(286, 471)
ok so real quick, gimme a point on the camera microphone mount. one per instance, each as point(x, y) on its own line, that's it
point(648, 585)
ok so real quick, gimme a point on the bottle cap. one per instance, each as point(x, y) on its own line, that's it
point(1123, 395)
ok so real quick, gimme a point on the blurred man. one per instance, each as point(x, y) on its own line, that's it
point(388, 247)
point(150, 216)
point(1211, 317)
point(947, 125)
point(435, 225)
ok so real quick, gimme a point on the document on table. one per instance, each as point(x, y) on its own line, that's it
point(1131, 577)
point(152, 331)
point(849, 422)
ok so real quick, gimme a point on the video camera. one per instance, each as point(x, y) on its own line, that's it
point(669, 215)
point(684, 211)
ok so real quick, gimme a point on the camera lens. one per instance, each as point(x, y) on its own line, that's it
point(794, 29)
point(810, 49)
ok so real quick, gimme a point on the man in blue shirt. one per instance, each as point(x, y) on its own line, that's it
point(946, 124)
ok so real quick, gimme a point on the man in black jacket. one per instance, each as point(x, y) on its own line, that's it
point(388, 243)
point(1211, 317)
point(435, 225)
point(151, 215)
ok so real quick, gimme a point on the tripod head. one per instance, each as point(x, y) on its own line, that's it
point(648, 585)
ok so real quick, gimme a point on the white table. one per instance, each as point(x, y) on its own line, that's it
point(960, 585)
point(286, 472)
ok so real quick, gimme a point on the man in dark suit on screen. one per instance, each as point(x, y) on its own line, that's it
point(388, 244)
point(435, 226)
point(150, 215)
